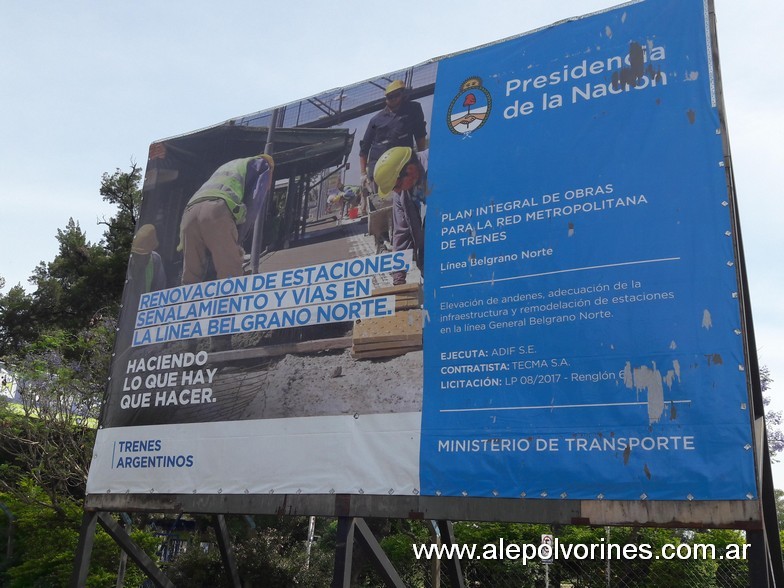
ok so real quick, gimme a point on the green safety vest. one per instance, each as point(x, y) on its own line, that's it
point(227, 183)
point(149, 273)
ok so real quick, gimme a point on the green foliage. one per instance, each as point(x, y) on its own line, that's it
point(57, 341)
point(60, 383)
point(17, 326)
point(83, 282)
point(44, 543)
point(272, 554)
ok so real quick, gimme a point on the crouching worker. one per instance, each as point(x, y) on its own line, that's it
point(399, 171)
point(220, 216)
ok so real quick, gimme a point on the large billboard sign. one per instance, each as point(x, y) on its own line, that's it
point(573, 331)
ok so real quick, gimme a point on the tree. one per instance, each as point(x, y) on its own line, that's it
point(18, 325)
point(773, 418)
point(58, 341)
point(84, 281)
point(60, 384)
point(45, 541)
point(122, 189)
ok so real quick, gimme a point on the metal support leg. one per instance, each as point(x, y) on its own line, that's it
point(344, 553)
point(145, 563)
point(84, 550)
point(379, 559)
point(227, 553)
point(435, 563)
point(453, 569)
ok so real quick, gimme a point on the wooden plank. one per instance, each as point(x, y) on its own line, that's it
point(410, 343)
point(399, 289)
point(314, 346)
point(406, 325)
point(390, 352)
point(406, 303)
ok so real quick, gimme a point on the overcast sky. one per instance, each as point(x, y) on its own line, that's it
point(87, 86)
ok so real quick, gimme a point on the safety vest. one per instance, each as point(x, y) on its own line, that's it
point(227, 183)
point(149, 274)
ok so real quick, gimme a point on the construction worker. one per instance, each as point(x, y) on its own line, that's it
point(400, 124)
point(145, 268)
point(221, 214)
point(145, 274)
point(398, 172)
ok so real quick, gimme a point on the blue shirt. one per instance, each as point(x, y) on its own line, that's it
point(389, 129)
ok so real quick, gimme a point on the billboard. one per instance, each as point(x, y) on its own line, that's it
point(506, 273)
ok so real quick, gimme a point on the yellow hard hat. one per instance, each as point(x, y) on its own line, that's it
point(388, 168)
point(396, 85)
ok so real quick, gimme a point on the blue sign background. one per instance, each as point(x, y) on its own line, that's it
point(584, 335)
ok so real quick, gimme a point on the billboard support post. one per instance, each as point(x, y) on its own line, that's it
point(145, 563)
point(84, 548)
point(453, 570)
point(766, 567)
point(227, 553)
point(356, 528)
point(344, 553)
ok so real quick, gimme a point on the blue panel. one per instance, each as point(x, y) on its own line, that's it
point(584, 332)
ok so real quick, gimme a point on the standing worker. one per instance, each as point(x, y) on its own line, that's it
point(221, 214)
point(400, 124)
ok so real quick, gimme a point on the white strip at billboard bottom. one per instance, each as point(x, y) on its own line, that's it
point(347, 454)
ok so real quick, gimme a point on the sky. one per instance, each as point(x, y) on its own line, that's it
point(87, 86)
